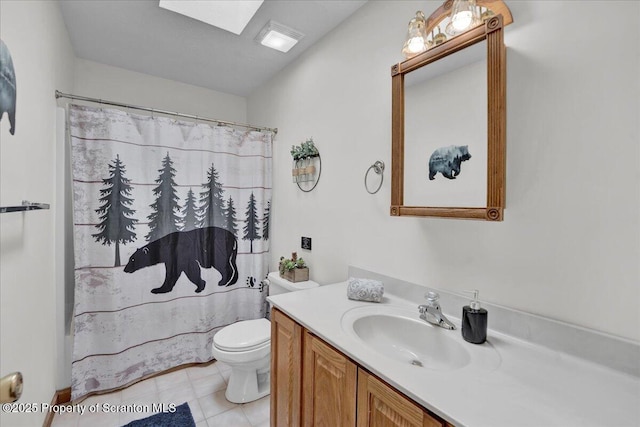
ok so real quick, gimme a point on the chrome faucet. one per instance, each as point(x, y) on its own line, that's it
point(432, 313)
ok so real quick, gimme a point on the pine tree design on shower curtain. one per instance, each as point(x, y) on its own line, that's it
point(212, 202)
point(190, 218)
point(252, 223)
point(116, 225)
point(164, 218)
point(265, 221)
point(231, 221)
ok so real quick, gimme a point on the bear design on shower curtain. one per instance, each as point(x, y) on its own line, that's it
point(188, 251)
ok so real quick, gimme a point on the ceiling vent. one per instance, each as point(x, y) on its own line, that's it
point(278, 36)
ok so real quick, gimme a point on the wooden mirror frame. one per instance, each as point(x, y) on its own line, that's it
point(492, 32)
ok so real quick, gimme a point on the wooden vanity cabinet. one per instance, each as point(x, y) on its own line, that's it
point(330, 383)
point(381, 406)
point(314, 385)
point(286, 370)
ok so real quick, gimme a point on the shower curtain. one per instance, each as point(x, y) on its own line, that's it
point(171, 234)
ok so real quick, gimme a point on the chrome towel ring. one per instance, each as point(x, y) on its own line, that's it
point(378, 168)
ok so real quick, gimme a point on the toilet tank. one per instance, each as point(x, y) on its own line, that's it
point(279, 285)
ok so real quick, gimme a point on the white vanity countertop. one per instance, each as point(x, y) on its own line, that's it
point(532, 385)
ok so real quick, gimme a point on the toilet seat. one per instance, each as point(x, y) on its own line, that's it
point(243, 336)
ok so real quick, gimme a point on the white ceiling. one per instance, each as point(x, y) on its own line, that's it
point(140, 36)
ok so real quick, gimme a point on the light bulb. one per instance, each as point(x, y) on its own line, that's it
point(462, 20)
point(416, 36)
point(464, 15)
point(415, 45)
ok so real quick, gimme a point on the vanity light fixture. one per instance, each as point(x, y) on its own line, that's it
point(485, 13)
point(464, 15)
point(278, 36)
point(456, 17)
point(416, 40)
point(438, 38)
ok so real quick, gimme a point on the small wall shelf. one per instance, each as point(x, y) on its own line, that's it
point(306, 173)
point(307, 165)
point(25, 206)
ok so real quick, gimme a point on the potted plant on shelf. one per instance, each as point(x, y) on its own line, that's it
point(293, 269)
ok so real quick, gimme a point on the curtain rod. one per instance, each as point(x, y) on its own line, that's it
point(155, 110)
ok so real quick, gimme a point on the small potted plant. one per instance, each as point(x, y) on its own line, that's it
point(293, 269)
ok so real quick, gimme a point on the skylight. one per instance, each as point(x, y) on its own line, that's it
point(230, 15)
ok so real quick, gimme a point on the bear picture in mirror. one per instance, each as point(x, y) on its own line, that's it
point(445, 131)
point(449, 128)
point(448, 161)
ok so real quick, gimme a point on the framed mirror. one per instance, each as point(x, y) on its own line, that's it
point(449, 126)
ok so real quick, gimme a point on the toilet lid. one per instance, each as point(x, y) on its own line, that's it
point(244, 335)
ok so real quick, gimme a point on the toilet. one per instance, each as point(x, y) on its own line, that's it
point(246, 347)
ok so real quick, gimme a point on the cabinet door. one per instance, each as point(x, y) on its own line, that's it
point(286, 370)
point(381, 406)
point(330, 385)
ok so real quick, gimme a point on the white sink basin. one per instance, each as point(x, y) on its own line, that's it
point(398, 333)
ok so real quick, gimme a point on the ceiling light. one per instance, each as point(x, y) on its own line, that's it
point(278, 36)
point(230, 15)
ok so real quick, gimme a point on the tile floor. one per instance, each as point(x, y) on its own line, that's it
point(202, 387)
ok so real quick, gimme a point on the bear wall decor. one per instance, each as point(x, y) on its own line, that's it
point(7, 87)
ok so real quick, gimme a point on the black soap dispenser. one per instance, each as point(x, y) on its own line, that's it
point(474, 321)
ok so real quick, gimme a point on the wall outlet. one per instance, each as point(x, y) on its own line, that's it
point(305, 243)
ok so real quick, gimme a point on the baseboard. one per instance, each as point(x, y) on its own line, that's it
point(59, 397)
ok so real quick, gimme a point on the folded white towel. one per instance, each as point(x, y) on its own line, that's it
point(365, 289)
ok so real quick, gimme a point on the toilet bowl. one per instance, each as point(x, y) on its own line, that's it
point(246, 347)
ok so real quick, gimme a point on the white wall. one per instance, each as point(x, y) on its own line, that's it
point(101, 81)
point(29, 305)
point(569, 247)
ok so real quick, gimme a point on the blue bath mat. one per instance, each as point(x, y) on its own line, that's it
point(180, 418)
